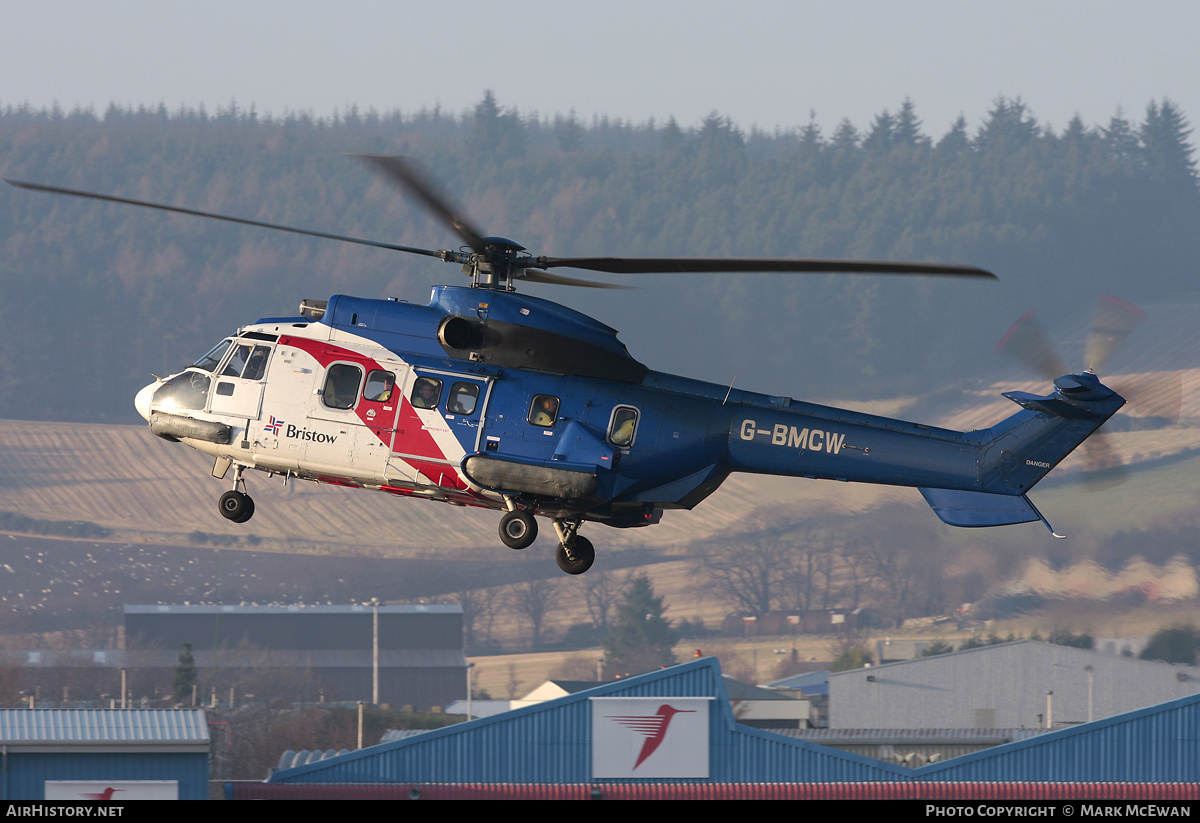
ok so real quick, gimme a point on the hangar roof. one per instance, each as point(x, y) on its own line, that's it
point(103, 727)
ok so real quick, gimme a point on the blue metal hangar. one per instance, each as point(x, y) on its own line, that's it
point(672, 734)
point(88, 755)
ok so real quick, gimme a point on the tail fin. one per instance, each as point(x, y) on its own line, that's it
point(1021, 450)
point(1025, 447)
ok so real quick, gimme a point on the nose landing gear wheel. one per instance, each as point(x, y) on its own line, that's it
point(236, 506)
point(578, 558)
point(518, 529)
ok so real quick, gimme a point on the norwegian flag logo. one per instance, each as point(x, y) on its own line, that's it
point(273, 426)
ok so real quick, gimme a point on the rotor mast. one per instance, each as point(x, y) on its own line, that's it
point(496, 266)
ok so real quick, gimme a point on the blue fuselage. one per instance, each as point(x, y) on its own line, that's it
point(688, 435)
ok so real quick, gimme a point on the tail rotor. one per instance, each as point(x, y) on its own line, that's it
point(1157, 395)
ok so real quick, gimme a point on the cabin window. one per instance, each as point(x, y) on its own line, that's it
point(426, 392)
point(543, 411)
point(341, 386)
point(463, 397)
point(623, 426)
point(379, 386)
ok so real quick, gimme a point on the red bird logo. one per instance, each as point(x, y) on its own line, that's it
point(652, 727)
point(104, 795)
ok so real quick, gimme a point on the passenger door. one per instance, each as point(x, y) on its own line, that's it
point(440, 421)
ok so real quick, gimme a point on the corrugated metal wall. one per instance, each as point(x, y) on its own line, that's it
point(1160, 744)
point(1007, 683)
point(37, 745)
point(550, 744)
point(718, 791)
point(26, 773)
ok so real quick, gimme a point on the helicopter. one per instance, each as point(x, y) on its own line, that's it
point(487, 397)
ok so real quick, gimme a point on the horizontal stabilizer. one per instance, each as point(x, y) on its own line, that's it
point(974, 510)
point(1051, 405)
point(979, 509)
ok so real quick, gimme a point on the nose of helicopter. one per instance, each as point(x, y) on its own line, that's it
point(141, 400)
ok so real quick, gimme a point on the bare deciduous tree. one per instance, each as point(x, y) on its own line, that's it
point(749, 573)
point(601, 591)
point(783, 566)
point(533, 600)
point(479, 602)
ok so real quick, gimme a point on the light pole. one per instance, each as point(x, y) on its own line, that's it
point(469, 667)
point(375, 652)
point(360, 724)
point(1091, 677)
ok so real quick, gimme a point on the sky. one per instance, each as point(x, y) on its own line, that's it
point(762, 63)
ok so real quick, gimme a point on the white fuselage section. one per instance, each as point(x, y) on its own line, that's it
point(316, 403)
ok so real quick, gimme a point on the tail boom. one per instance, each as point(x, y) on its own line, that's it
point(1007, 459)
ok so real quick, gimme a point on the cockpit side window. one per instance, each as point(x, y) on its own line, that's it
point(211, 360)
point(247, 361)
point(256, 365)
point(237, 361)
point(341, 386)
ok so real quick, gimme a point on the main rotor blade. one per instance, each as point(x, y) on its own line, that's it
point(243, 221)
point(656, 265)
point(539, 276)
point(405, 172)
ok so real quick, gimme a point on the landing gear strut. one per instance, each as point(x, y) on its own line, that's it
point(576, 557)
point(575, 553)
point(236, 505)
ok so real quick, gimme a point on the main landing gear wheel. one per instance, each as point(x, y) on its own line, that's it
point(518, 529)
point(236, 506)
point(578, 558)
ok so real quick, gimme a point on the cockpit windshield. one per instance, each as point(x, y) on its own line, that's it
point(210, 361)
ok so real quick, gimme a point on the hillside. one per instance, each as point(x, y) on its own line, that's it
point(1058, 216)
